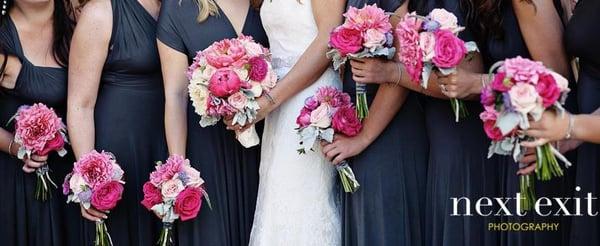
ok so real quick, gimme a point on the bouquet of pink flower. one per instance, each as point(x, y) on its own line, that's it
point(175, 191)
point(96, 181)
point(367, 32)
point(523, 89)
point(226, 79)
point(39, 131)
point(328, 112)
point(428, 42)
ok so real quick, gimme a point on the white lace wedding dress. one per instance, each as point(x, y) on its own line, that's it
point(297, 203)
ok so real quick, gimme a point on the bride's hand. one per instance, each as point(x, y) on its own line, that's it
point(265, 108)
point(344, 147)
point(374, 71)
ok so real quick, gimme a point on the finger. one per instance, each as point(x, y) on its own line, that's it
point(327, 147)
point(34, 164)
point(338, 159)
point(96, 213)
point(39, 158)
point(362, 80)
point(88, 216)
point(535, 125)
point(535, 143)
point(528, 159)
point(358, 73)
point(527, 170)
point(357, 64)
point(28, 169)
point(333, 153)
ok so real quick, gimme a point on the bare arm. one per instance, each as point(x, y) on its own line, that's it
point(174, 63)
point(89, 49)
point(542, 31)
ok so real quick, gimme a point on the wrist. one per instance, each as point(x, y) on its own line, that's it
point(393, 72)
point(479, 81)
point(575, 132)
point(364, 140)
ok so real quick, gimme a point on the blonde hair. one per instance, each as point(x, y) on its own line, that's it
point(206, 8)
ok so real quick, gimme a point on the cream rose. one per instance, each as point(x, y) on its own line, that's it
point(238, 100)
point(446, 19)
point(524, 98)
point(320, 116)
point(199, 96)
point(374, 38)
point(171, 188)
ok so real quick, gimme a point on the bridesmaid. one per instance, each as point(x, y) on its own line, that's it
point(230, 171)
point(116, 103)
point(390, 162)
point(34, 49)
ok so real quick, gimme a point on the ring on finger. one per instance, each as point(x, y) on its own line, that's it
point(443, 86)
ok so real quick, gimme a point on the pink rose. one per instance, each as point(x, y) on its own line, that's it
point(320, 117)
point(501, 83)
point(449, 49)
point(523, 70)
point(547, 89)
point(427, 45)
point(106, 196)
point(488, 97)
point(225, 53)
point(346, 41)
point(270, 80)
point(410, 54)
point(238, 100)
point(57, 143)
point(303, 119)
point(374, 38)
point(171, 188)
point(224, 82)
point(95, 168)
point(447, 20)
point(188, 203)
point(152, 196)
point(35, 126)
point(252, 48)
point(258, 69)
point(524, 98)
point(346, 122)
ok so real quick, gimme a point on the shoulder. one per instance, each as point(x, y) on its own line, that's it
point(96, 18)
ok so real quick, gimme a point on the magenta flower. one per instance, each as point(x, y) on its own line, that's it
point(95, 168)
point(258, 69)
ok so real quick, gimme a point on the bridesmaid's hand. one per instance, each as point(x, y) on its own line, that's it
point(550, 128)
point(265, 108)
point(460, 84)
point(343, 147)
point(375, 71)
point(528, 162)
point(33, 163)
point(93, 214)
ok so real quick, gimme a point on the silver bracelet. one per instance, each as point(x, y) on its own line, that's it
point(270, 98)
point(399, 73)
point(571, 127)
point(12, 141)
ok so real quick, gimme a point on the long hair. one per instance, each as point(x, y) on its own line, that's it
point(208, 8)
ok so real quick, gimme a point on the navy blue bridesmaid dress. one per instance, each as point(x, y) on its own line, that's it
point(389, 207)
point(129, 120)
point(26, 221)
point(230, 170)
point(458, 163)
point(497, 48)
point(582, 41)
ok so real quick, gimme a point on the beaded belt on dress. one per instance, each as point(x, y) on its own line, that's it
point(284, 62)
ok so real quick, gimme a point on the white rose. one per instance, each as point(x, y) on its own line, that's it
point(447, 20)
point(320, 116)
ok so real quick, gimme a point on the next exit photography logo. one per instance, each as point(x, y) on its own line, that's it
point(543, 206)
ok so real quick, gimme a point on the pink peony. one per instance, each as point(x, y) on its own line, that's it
point(447, 20)
point(548, 89)
point(321, 117)
point(258, 69)
point(106, 195)
point(449, 49)
point(501, 83)
point(225, 53)
point(523, 70)
point(35, 126)
point(346, 122)
point(57, 143)
point(171, 188)
point(188, 203)
point(238, 100)
point(368, 17)
point(224, 82)
point(346, 40)
point(303, 119)
point(524, 98)
point(374, 39)
point(152, 196)
point(410, 54)
point(95, 168)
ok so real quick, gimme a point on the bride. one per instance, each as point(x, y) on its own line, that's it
point(297, 202)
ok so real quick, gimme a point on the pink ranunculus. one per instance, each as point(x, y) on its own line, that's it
point(374, 38)
point(410, 54)
point(171, 188)
point(35, 126)
point(152, 196)
point(311, 103)
point(57, 143)
point(523, 70)
point(524, 98)
point(447, 20)
point(346, 40)
point(238, 100)
point(368, 17)
point(346, 122)
point(106, 195)
point(225, 53)
point(224, 82)
point(449, 49)
point(258, 69)
point(427, 45)
point(303, 120)
point(488, 97)
point(321, 117)
point(188, 203)
point(547, 89)
point(95, 168)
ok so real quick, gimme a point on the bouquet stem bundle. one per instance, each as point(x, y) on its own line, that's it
point(166, 235)
point(362, 106)
point(43, 182)
point(347, 177)
point(527, 189)
point(102, 236)
point(548, 166)
point(459, 109)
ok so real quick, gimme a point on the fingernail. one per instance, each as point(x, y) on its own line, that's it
point(104, 216)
